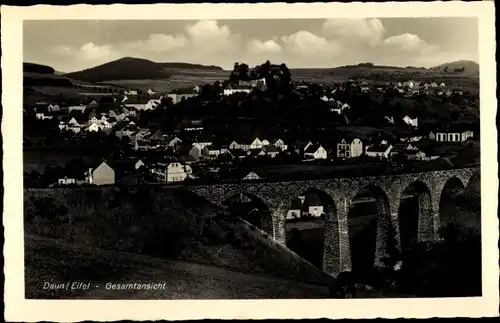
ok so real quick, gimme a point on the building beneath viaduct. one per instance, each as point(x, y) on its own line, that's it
point(338, 194)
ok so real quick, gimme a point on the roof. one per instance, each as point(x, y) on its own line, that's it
point(378, 148)
point(398, 148)
point(312, 148)
point(136, 101)
point(271, 149)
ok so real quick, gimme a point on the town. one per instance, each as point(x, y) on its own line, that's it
point(249, 128)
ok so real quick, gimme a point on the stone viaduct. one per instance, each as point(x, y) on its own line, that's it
point(337, 195)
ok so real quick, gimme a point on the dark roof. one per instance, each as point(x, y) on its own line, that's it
point(378, 148)
point(312, 148)
point(137, 101)
point(271, 149)
point(398, 148)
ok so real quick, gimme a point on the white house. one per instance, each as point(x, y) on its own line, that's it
point(80, 108)
point(53, 107)
point(271, 150)
point(151, 92)
point(411, 121)
point(130, 92)
point(251, 176)
point(211, 151)
point(101, 175)
point(142, 104)
point(171, 172)
point(349, 149)
point(66, 181)
point(256, 144)
point(315, 152)
point(94, 127)
point(381, 151)
point(451, 136)
point(279, 143)
point(234, 145)
point(238, 90)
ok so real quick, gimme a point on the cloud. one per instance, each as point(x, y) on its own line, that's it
point(336, 42)
point(308, 44)
point(264, 47)
point(158, 43)
point(407, 42)
point(367, 31)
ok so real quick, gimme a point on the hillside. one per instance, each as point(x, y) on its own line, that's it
point(129, 68)
point(37, 68)
point(167, 223)
point(51, 260)
point(467, 66)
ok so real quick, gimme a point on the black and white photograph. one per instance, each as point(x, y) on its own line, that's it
point(263, 158)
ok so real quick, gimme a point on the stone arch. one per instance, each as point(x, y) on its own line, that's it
point(366, 253)
point(251, 208)
point(319, 226)
point(451, 189)
point(415, 226)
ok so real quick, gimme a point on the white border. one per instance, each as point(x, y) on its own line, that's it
point(19, 309)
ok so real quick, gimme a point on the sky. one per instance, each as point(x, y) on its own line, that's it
point(72, 45)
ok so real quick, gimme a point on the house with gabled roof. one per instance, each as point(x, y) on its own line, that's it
point(315, 151)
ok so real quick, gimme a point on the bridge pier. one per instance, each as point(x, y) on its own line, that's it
point(337, 250)
point(427, 229)
point(279, 223)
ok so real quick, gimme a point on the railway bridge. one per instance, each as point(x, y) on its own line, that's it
point(337, 196)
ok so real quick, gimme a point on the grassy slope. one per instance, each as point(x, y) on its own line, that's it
point(170, 224)
point(52, 261)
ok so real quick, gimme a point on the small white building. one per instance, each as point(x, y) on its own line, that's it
point(381, 151)
point(100, 175)
point(315, 152)
point(236, 90)
point(413, 122)
point(251, 177)
point(451, 136)
point(349, 149)
point(171, 172)
point(256, 144)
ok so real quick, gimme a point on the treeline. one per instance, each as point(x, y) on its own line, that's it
point(29, 81)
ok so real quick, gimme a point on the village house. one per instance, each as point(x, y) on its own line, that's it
point(349, 148)
point(142, 104)
point(381, 151)
point(196, 151)
point(315, 152)
point(271, 150)
point(80, 108)
point(171, 172)
point(251, 176)
point(234, 145)
point(312, 205)
point(103, 174)
point(256, 144)
point(236, 89)
point(280, 144)
point(210, 151)
point(130, 92)
point(295, 210)
point(178, 97)
point(411, 121)
point(451, 135)
point(301, 146)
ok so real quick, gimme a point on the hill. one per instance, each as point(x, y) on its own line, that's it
point(463, 66)
point(51, 260)
point(37, 68)
point(167, 223)
point(129, 68)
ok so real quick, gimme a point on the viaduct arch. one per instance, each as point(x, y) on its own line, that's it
point(337, 196)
